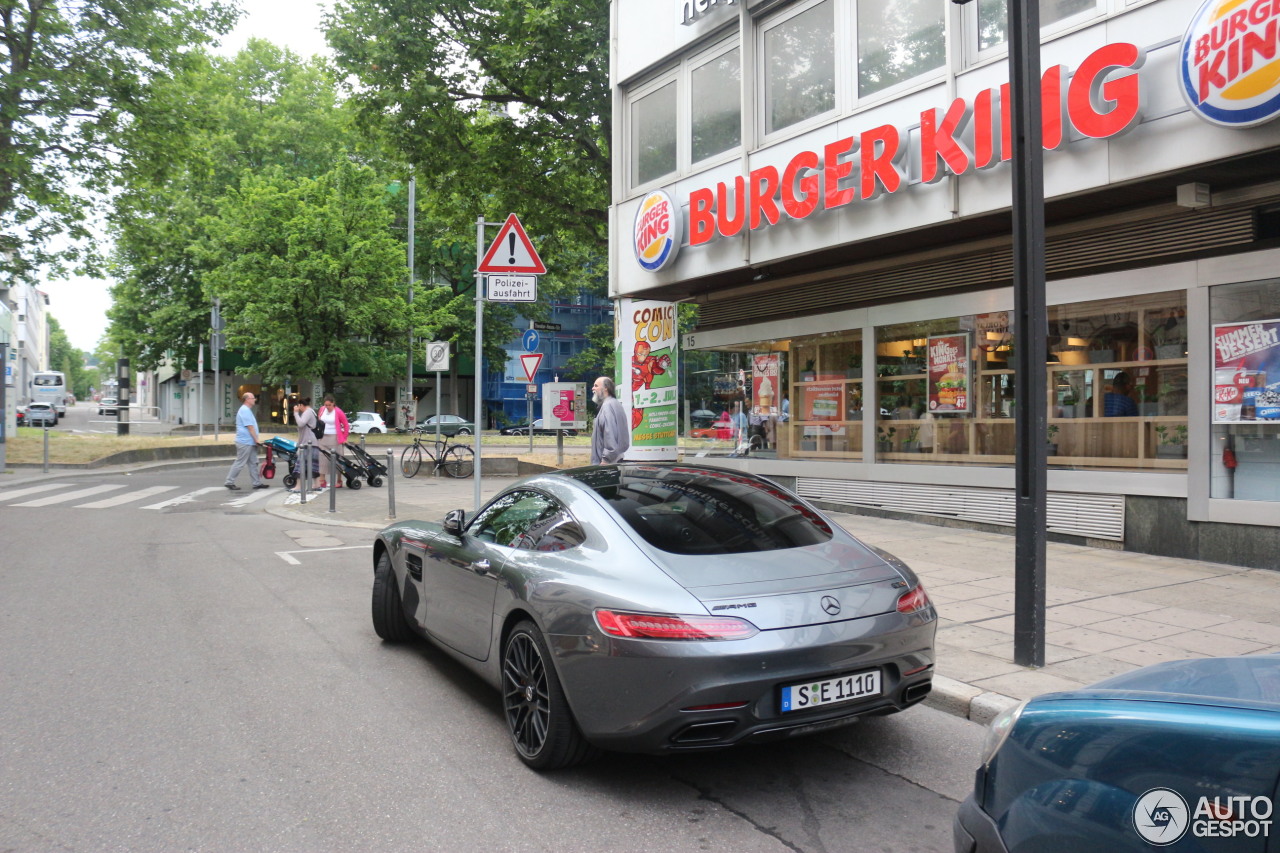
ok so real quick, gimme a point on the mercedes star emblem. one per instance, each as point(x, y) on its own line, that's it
point(831, 605)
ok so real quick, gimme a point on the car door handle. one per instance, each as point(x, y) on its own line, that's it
point(480, 567)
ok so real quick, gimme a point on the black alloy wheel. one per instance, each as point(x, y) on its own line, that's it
point(539, 721)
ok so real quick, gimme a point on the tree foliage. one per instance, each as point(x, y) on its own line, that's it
point(74, 77)
point(210, 126)
point(502, 106)
point(310, 276)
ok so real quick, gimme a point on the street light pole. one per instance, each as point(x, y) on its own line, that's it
point(409, 351)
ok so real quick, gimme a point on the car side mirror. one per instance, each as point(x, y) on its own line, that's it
point(454, 520)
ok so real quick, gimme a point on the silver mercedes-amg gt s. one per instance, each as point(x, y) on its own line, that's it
point(658, 608)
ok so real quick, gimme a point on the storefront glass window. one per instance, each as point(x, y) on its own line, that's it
point(1117, 371)
point(716, 105)
point(653, 135)
point(736, 401)
point(993, 17)
point(826, 411)
point(1245, 446)
point(799, 59)
point(898, 40)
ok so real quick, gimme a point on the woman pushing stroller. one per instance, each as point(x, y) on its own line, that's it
point(336, 430)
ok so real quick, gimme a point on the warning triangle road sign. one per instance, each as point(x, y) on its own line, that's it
point(530, 361)
point(511, 251)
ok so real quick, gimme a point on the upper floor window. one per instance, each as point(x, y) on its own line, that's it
point(715, 108)
point(653, 134)
point(899, 40)
point(798, 58)
point(993, 16)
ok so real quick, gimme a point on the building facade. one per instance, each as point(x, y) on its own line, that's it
point(830, 181)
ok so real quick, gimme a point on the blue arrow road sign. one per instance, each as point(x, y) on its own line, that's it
point(531, 339)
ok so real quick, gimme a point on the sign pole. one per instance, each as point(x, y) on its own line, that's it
point(479, 356)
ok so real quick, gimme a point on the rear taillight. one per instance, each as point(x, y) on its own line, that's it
point(916, 599)
point(652, 626)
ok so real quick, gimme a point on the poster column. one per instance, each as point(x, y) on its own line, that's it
point(650, 376)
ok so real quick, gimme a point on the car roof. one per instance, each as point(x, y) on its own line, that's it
point(1248, 681)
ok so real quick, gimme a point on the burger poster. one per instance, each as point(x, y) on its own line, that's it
point(948, 366)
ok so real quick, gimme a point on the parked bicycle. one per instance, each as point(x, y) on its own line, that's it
point(457, 460)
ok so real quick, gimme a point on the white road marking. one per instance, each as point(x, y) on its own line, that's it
point(116, 500)
point(33, 490)
point(184, 499)
point(250, 498)
point(70, 496)
point(288, 557)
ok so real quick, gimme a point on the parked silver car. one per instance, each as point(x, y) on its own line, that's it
point(42, 414)
point(658, 608)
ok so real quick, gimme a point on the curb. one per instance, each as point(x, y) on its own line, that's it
point(966, 701)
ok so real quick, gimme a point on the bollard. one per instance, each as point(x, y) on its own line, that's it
point(333, 481)
point(46, 448)
point(391, 483)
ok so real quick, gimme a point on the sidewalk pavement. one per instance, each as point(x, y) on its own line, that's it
point(1107, 611)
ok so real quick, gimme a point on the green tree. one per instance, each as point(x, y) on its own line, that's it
point(67, 359)
point(502, 106)
point(208, 127)
point(73, 77)
point(309, 273)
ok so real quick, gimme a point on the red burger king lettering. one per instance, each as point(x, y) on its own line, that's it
point(1095, 102)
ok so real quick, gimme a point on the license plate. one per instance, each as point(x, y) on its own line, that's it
point(814, 694)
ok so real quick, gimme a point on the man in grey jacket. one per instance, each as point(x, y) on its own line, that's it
point(612, 433)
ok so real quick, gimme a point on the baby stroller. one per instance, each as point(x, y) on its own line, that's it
point(288, 451)
point(374, 470)
point(348, 470)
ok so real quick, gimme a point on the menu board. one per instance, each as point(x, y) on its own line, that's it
point(949, 373)
point(1246, 372)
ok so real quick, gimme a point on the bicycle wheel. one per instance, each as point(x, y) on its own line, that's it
point(459, 461)
point(411, 460)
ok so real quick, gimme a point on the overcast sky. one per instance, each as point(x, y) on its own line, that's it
point(80, 304)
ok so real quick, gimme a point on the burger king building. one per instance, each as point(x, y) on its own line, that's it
point(829, 180)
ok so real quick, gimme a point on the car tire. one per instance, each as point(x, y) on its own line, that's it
point(374, 431)
point(389, 621)
point(463, 431)
point(539, 721)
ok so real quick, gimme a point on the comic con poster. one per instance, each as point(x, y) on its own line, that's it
point(647, 344)
point(1246, 370)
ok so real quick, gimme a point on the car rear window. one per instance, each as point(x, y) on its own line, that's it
point(699, 511)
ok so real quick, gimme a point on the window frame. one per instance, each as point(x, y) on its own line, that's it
point(843, 74)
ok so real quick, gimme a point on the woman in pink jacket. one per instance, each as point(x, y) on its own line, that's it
point(336, 430)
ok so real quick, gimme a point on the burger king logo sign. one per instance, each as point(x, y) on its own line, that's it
point(1230, 67)
point(657, 231)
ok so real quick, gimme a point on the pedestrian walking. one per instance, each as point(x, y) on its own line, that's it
point(336, 430)
point(611, 436)
point(305, 418)
point(246, 445)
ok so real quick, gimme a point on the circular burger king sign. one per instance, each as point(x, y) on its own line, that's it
point(657, 231)
point(1230, 65)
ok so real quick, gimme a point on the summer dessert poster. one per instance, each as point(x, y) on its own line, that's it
point(1246, 370)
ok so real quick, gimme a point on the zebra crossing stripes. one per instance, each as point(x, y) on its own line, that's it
point(127, 497)
point(108, 495)
point(66, 497)
point(184, 499)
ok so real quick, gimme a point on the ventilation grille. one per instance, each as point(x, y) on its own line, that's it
point(1065, 255)
point(1092, 516)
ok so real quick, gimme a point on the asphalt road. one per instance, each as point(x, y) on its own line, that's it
point(204, 676)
